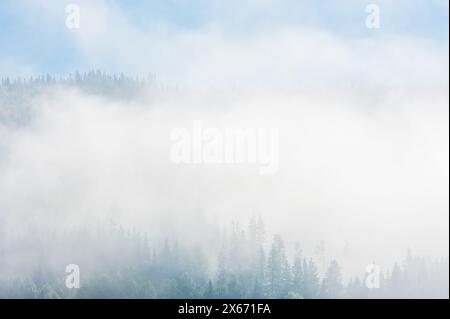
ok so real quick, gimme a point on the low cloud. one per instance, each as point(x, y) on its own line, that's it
point(367, 169)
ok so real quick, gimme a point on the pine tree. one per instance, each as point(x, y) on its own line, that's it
point(332, 282)
point(221, 277)
point(252, 231)
point(209, 292)
point(395, 281)
point(260, 231)
point(278, 272)
point(257, 291)
point(311, 281)
point(234, 288)
point(297, 277)
point(260, 265)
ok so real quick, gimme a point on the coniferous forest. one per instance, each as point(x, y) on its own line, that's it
point(15, 94)
point(125, 264)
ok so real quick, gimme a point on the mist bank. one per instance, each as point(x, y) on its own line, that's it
point(365, 171)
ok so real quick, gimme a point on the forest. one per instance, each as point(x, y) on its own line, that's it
point(16, 93)
point(246, 265)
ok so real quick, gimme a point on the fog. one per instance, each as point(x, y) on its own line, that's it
point(364, 170)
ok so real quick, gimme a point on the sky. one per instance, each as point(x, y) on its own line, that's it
point(262, 42)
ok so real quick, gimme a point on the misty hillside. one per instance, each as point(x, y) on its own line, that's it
point(288, 149)
point(248, 263)
point(82, 151)
point(16, 94)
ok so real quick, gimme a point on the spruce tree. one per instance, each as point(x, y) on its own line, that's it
point(311, 283)
point(332, 282)
point(297, 277)
point(278, 272)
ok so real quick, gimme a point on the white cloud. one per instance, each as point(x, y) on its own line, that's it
point(366, 167)
point(278, 57)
